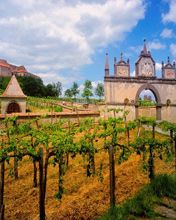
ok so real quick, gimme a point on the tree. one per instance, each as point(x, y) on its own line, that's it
point(54, 89)
point(68, 93)
point(99, 91)
point(74, 89)
point(50, 90)
point(87, 91)
point(3, 82)
point(58, 87)
point(32, 86)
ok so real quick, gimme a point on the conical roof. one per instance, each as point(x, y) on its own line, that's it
point(13, 89)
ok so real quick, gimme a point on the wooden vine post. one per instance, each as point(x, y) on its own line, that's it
point(111, 128)
point(41, 187)
point(112, 164)
point(112, 176)
point(2, 173)
point(87, 143)
point(171, 127)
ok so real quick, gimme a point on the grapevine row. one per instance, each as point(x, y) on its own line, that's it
point(59, 142)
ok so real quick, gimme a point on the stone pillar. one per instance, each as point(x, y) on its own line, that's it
point(158, 112)
point(136, 111)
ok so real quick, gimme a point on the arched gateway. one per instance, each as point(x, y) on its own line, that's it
point(123, 91)
point(155, 92)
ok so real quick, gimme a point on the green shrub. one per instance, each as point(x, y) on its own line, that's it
point(58, 109)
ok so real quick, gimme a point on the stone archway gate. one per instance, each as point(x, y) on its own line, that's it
point(123, 92)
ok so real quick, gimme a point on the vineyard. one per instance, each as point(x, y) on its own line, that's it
point(41, 105)
point(77, 169)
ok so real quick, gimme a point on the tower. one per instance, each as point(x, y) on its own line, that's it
point(168, 70)
point(145, 65)
point(122, 68)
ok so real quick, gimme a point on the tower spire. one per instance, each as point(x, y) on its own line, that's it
point(121, 56)
point(107, 61)
point(145, 47)
point(168, 59)
point(107, 65)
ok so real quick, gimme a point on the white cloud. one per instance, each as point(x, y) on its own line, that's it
point(156, 45)
point(167, 33)
point(47, 77)
point(133, 73)
point(65, 79)
point(158, 67)
point(170, 15)
point(136, 49)
point(50, 36)
point(173, 49)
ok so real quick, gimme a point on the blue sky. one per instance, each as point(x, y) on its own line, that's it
point(66, 40)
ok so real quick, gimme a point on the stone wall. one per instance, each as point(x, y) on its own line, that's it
point(105, 113)
point(147, 112)
point(5, 102)
point(167, 112)
point(117, 89)
point(124, 92)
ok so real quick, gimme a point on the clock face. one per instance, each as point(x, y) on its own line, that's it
point(146, 67)
point(170, 73)
point(122, 71)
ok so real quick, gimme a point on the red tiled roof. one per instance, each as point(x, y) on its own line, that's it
point(21, 69)
point(4, 63)
point(13, 68)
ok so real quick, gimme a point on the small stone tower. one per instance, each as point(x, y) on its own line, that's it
point(13, 99)
point(122, 68)
point(168, 70)
point(145, 65)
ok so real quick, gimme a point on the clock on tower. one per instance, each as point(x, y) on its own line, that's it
point(122, 68)
point(145, 66)
point(168, 70)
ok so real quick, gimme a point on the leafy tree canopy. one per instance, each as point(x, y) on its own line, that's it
point(87, 91)
point(74, 89)
point(99, 91)
point(34, 86)
point(68, 93)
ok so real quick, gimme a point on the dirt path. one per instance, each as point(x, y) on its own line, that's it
point(166, 209)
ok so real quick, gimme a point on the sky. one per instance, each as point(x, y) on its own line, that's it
point(66, 40)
